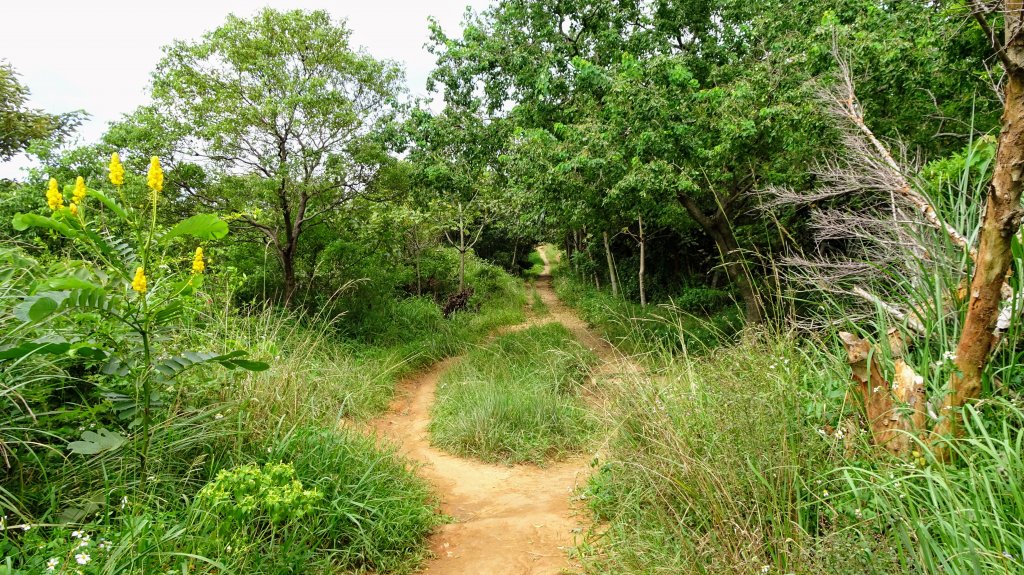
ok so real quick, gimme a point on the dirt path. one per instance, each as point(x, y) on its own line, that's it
point(517, 520)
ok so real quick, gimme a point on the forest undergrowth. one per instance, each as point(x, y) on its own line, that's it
point(738, 452)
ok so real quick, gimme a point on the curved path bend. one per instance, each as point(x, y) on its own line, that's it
point(506, 520)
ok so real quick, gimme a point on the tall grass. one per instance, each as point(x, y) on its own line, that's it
point(642, 330)
point(744, 461)
point(516, 399)
point(372, 514)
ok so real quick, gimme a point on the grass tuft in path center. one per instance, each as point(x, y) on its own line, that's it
point(516, 399)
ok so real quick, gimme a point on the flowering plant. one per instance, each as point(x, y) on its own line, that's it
point(137, 283)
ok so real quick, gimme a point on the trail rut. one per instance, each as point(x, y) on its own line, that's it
point(506, 520)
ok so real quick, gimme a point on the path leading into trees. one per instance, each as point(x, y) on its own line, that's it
point(506, 520)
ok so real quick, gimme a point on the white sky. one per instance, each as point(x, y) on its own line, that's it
point(97, 55)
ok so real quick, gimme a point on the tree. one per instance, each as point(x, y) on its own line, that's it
point(19, 124)
point(287, 113)
point(456, 154)
point(1001, 219)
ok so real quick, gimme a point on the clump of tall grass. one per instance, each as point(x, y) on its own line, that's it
point(642, 330)
point(711, 468)
point(516, 399)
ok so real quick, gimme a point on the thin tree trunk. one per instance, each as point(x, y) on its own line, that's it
point(288, 267)
point(732, 259)
point(611, 266)
point(640, 274)
point(419, 281)
point(1001, 220)
point(462, 250)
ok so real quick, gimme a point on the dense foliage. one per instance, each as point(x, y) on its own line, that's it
point(755, 200)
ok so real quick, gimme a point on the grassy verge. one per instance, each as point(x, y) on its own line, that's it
point(668, 328)
point(249, 472)
point(516, 399)
point(736, 463)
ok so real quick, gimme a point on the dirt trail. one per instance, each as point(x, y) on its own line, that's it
point(516, 520)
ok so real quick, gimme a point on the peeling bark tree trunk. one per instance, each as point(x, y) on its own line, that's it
point(611, 266)
point(894, 412)
point(1001, 220)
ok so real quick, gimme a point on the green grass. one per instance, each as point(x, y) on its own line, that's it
point(655, 328)
point(537, 304)
point(729, 463)
point(372, 514)
point(537, 267)
point(517, 399)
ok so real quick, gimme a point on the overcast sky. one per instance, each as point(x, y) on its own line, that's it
point(96, 55)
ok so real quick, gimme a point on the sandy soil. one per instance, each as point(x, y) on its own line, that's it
point(506, 520)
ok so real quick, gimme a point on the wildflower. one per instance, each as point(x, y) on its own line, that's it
point(155, 178)
point(825, 493)
point(76, 534)
point(79, 194)
point(83, 558)
point(104, 545)
point(116, 170)
point(26, 527)
point(197, 262)
point(124, 502)
point(54, 198)
point(74, 209)
point(219, 416)
point(139, 283)
point(51, 564)
point(766, 568)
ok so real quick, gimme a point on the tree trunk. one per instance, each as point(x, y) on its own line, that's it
point(462, 250)
point(611, 266)
point(419, 280)
point(736, 269)
point(640, 274)
point(288, 267)
point(1001, 220)
point(568, 250)
point(720, 230)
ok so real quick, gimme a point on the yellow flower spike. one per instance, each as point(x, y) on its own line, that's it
point(197, 262)
point(79, 193)
point(54, 198)
point(116, 170)
point(139, 283)
point(155, 178)
point(74, 209)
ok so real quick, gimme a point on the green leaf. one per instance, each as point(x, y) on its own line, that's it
point(52, 345)
point(202, 226)
point(23, 222)
point(171, 368)
point(97, 442)
point(111, 204)
point(38, 307)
